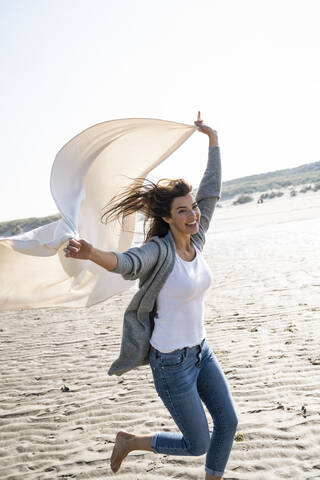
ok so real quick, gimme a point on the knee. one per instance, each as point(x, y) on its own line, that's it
point(228, 424)
point(199, 446)
point(232, 423)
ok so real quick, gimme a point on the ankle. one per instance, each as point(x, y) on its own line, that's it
point(139, 443)
point(131, 444)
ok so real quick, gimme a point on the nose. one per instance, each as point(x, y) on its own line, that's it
point(192, 217)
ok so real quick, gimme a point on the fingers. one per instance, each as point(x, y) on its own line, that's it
point(198, 122)
point(72, 248)
point(200, 126)
point(70, 251)
point(74, 243)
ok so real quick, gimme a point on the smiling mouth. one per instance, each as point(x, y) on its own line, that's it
point(191, 224)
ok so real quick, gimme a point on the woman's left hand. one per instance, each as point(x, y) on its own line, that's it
point(213, 134)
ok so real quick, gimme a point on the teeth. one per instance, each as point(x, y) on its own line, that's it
point(189, 224)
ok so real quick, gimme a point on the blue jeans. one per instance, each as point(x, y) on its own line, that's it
point(182, 379)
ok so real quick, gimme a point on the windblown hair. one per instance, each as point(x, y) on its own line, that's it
point(153, 200)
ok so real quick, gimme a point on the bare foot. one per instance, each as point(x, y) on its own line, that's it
point(120, 450)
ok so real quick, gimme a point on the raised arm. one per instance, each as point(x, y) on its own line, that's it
point(209, 190)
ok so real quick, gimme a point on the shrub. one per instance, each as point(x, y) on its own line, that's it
point(271, 195)
point(305, 189)
point(242, 199)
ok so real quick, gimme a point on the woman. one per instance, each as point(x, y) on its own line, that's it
point(163, 325)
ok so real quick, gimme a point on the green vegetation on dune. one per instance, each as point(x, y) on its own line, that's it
point(307, 175)
point(14, 227)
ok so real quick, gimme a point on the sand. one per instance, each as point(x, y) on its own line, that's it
point(262, 321)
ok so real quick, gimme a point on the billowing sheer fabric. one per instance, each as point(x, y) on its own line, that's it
point(86, 173)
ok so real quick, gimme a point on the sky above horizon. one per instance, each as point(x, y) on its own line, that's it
point(251, 68)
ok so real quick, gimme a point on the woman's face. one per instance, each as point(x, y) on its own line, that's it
point(185, 215)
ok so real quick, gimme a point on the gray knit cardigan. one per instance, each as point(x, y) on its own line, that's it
point(152, 264)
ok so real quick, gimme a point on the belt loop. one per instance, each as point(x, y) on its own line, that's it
point(185, 352)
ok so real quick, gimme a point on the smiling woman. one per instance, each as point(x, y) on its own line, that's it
point(164, 323)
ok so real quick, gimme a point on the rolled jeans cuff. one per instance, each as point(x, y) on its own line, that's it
point(213, 472)
point(153, 442)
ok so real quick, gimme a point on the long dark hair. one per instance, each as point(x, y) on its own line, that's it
point(153, 200)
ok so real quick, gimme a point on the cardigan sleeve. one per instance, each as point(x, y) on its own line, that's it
point(209, 191)
point(137, 261)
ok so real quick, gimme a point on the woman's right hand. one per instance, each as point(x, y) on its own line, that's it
point(78, 249)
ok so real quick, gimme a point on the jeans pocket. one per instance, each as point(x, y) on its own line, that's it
point(170, 361)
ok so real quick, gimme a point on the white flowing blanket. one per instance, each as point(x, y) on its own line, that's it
point(86, 173)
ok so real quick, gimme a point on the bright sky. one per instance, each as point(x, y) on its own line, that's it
point(251, 67)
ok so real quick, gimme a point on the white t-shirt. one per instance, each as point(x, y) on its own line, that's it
point(180, 305)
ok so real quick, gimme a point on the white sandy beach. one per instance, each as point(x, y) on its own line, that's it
point(262, 321)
